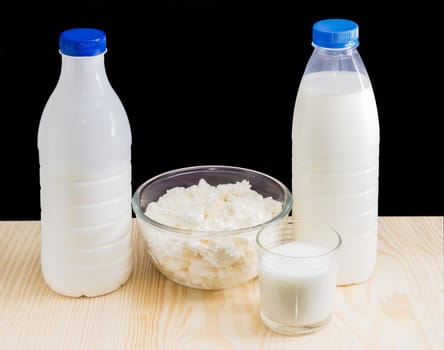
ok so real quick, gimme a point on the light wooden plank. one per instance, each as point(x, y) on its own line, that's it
point(401, 307)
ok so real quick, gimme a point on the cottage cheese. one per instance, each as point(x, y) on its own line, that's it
point(208, 262)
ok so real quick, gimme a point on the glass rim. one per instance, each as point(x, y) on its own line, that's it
point(291, 220)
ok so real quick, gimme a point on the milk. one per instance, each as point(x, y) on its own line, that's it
point(297, 291)
point(335, 164)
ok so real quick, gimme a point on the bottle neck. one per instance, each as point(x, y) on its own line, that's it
point(83, 70)
point(334, 59)
point(347, 51)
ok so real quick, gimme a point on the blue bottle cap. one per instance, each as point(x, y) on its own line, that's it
point(82, 42)
point(335, 33)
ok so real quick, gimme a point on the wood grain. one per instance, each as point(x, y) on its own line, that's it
point(400, 307)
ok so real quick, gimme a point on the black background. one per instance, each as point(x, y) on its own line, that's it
point(215, 82)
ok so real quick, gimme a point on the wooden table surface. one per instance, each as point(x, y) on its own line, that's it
point(401, 307)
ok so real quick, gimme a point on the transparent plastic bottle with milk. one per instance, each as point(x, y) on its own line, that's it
point(84, 142)
point(335, 152)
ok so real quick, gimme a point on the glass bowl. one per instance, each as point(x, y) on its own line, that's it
point(205, 259)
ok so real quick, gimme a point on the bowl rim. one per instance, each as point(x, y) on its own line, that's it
point(287, 206)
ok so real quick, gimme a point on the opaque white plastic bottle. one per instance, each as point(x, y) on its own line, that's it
point(84, 142)
point(335, 155)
